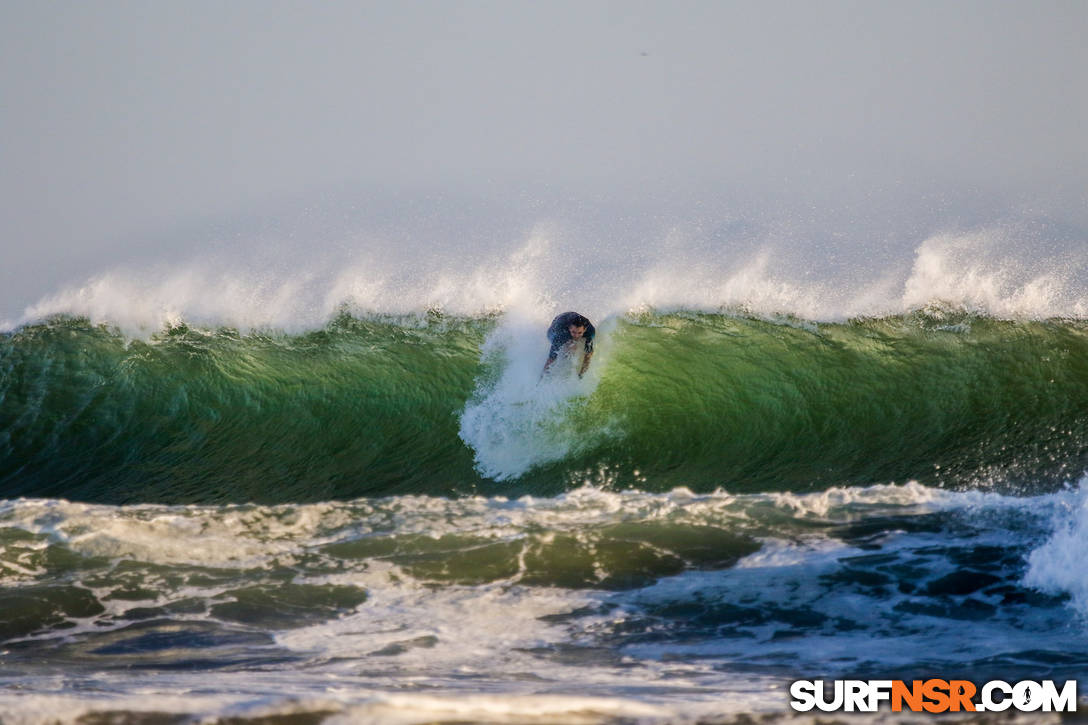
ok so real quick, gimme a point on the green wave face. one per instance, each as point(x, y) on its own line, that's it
point(361, 407)
point(393, 406)
point(757, 405)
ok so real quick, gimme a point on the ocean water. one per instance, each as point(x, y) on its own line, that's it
point(344, 493)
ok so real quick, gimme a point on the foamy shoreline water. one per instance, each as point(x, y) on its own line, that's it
point(439, 644)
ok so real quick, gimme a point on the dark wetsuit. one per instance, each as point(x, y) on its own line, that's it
point(559, 334)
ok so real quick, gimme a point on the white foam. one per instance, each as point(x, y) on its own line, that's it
point(420, 709)
point(416, 652)
point(523, 418)
point(448, 629)
point(497, 638)
point(979, 272)
point(63, 707)
point(256, 536)
point(838, 501)
point(999, 271)
point(752, 285)
point(1057, 566)
point(338, 699)
point(249, 536)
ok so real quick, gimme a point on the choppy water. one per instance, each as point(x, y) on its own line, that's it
point(390, 519)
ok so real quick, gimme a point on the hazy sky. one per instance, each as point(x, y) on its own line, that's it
point(123, 122)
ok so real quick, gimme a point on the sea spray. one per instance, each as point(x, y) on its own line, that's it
point(519, 416)
point(1001, 271)
point(1056, 566)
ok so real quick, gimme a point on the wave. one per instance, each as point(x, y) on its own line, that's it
point(449, 405)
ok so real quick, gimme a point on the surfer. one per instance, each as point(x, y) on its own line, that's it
point(564, 333)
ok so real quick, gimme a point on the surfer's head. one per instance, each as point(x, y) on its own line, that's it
point(577, 325)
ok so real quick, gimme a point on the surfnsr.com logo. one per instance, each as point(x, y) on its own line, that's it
point(933, 695)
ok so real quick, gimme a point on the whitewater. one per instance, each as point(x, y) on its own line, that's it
point(334, 487)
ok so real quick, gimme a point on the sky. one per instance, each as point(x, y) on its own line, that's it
point(131, 131)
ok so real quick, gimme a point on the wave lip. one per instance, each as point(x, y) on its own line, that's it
point(998, 271)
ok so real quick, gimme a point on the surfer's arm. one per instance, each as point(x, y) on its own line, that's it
point(547, 364)
point(553, 353)
point(585, 363)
